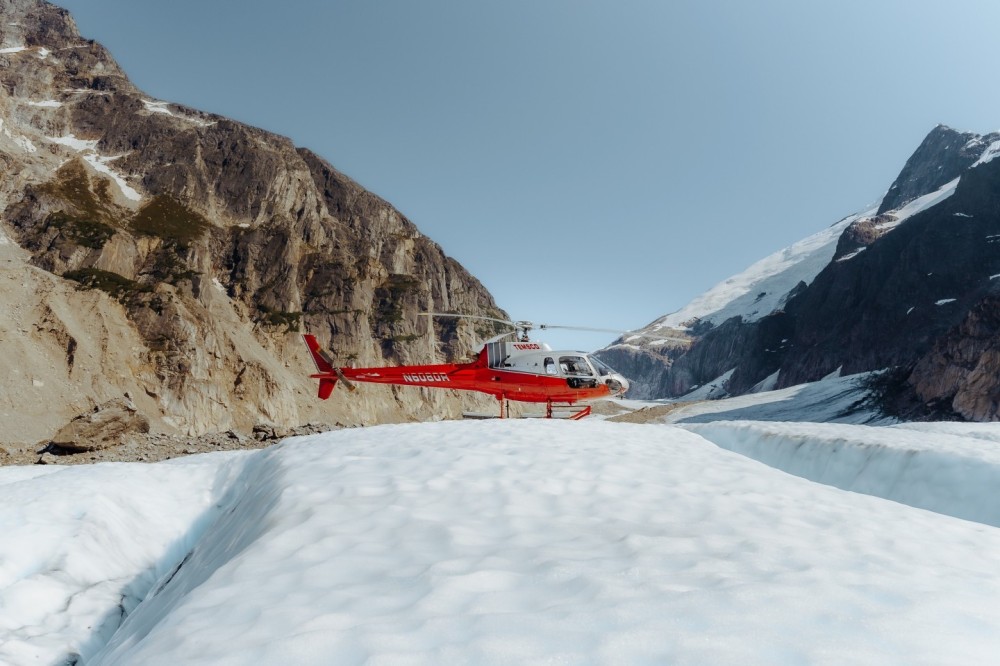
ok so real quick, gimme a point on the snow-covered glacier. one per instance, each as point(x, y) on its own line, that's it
point(507, 542)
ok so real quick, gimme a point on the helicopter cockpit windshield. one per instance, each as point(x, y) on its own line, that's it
point(603, 370)
point(575, 366)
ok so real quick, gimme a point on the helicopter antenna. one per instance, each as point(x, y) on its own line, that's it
point(431, 346)
point(582, 328)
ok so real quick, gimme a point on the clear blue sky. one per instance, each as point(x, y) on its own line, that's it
point(635, 152)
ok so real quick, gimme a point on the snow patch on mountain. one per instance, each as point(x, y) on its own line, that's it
point(713, 390)
point(156, 107)
point(88, 151)
point(22, 142)
point(991, 152)
point(71, 141)
point(918, 205)
point(100, 163)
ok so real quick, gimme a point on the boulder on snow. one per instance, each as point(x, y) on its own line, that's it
point(107, 425)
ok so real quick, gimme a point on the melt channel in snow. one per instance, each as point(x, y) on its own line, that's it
point(492, 542)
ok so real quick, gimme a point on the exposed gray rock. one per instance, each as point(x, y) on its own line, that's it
point(107, 425)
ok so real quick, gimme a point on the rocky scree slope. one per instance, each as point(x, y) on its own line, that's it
point(152, 249)
point(912, 286)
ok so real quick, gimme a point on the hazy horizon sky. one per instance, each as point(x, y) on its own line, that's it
point(633, 153)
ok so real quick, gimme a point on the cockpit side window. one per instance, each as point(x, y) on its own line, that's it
point(575, 366)
point(550, 366)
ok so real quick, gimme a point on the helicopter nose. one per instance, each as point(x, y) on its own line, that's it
point(617, 384)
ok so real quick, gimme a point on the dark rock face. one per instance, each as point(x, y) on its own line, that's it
point(961, 371)
point(887, 305)
point(652, 365)
point(218, 241)
point(942, 156)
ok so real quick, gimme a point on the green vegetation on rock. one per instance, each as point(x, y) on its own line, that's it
point(81, 230)
point(290, 320)
point(166, 218)
point(118, 286)
point(388, 301)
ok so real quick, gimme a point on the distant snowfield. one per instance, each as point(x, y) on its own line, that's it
point(513, 542)
point(832, 399)
point(757, 291)
point(920, 204)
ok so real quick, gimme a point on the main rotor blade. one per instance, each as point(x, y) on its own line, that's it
point(583, 328)
point(465, 316)
point(523, 325)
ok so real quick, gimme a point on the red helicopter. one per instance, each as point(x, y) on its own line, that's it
point(514, 369)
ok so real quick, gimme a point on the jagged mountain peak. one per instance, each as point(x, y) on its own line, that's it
point(35, 23)
point(940, 158)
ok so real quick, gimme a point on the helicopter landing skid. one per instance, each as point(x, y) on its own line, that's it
point(565, 411)
point(573, 416)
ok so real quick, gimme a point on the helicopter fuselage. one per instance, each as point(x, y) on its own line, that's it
point(520, 371)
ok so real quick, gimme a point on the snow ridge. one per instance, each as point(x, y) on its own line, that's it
point(922, 468)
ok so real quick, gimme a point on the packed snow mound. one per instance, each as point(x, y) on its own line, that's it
point(487, 542)
point(82, 546)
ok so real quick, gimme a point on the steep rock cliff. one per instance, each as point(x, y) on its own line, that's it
point(151, 248)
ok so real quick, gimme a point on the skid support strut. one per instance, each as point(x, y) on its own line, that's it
point(567, 411)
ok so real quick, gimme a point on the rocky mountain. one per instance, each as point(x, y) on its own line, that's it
point(910, 286)
point(151, 249)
